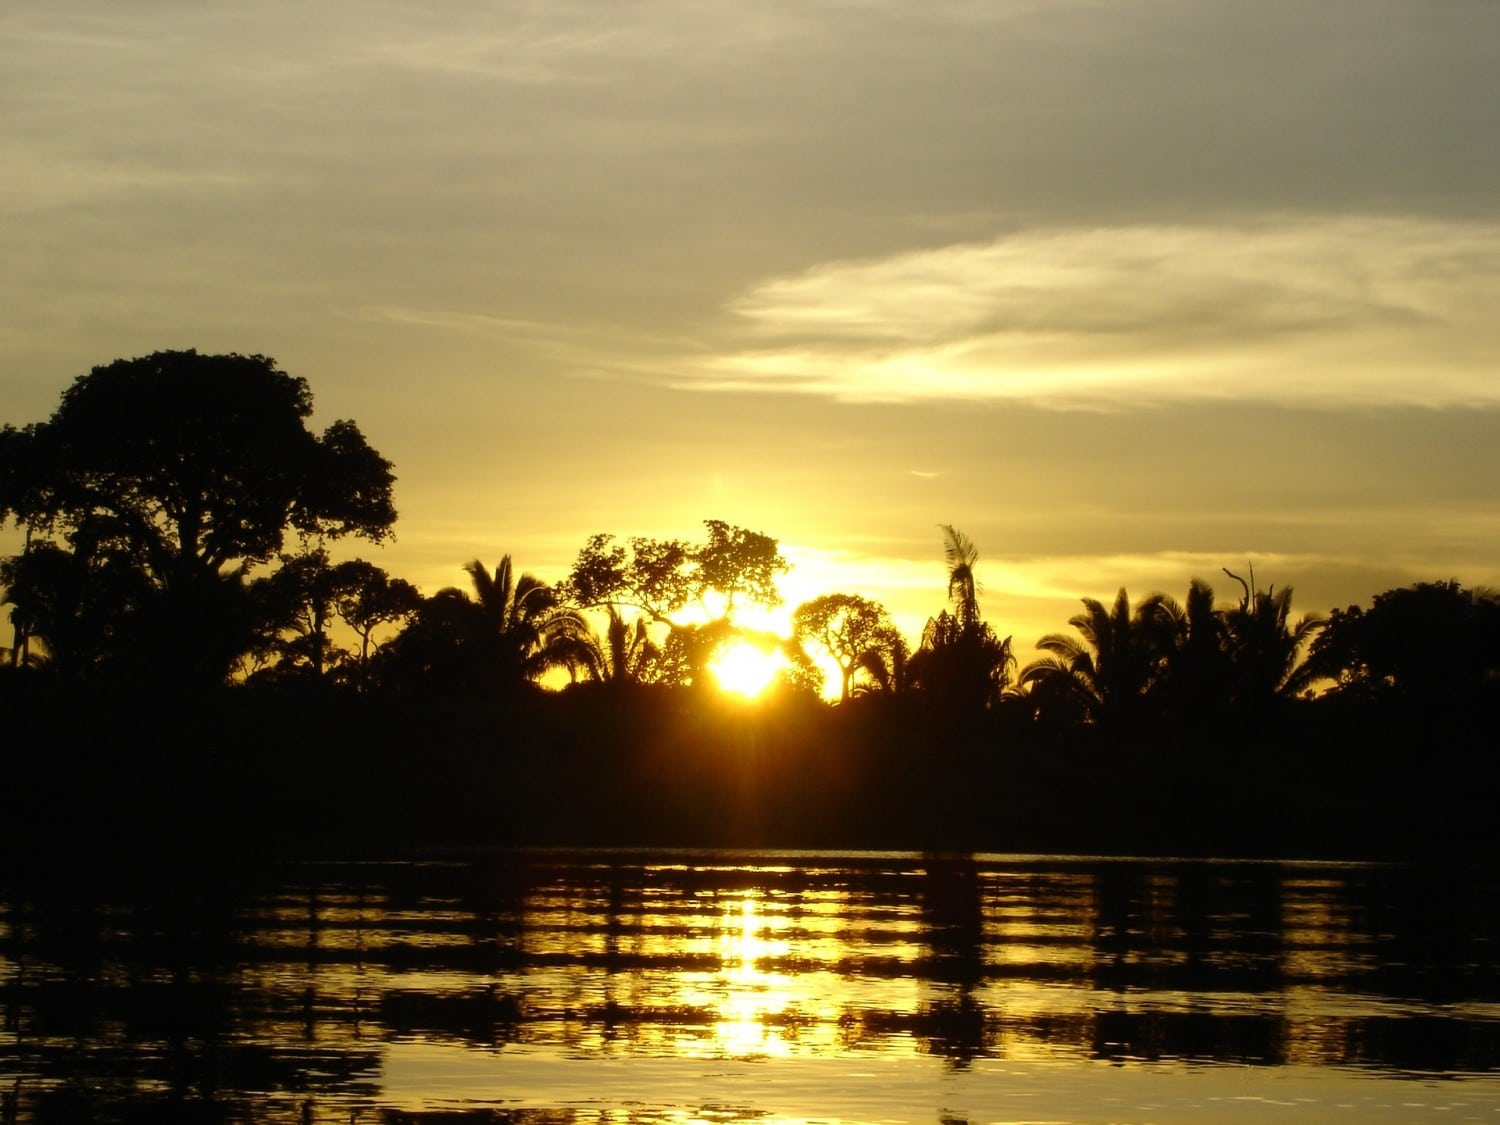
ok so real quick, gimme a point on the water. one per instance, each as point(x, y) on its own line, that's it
point(550, 987)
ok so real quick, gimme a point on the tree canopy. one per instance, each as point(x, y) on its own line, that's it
point(186, 470)
point(662, 577)
point(160, 483)
point(961, 663)
point(1429, 643)
point(201, 460)
point(854, 631)
point(670, 581)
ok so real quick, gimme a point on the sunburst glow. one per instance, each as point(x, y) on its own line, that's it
point(746, 669)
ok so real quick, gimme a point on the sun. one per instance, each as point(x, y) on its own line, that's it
point(746, 669)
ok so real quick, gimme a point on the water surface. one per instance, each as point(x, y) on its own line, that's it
point(726, 987)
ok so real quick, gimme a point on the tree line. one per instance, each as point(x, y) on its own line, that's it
point(178, 512)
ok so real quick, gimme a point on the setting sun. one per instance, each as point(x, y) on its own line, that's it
point(746, 669)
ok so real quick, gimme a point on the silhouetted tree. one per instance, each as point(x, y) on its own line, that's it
point(1430, 643)
point(299, 598)
point(1107, 671)
point(888, 666)
point(522, 629)
point(365, 598)
point(964, 669)
point(960, 662)
point(194, 467)
point(798, 673)
point(305, 596)
point(689, 649)
point(1199, 675)
point(77, 603)
point(855, 632)
point(671, 582)
point(1266, 647)
point(25, 497)
point(443, 648)
point(626, 653)
point(963, 588)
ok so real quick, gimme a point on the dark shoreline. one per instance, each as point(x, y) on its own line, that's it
point(339, 774)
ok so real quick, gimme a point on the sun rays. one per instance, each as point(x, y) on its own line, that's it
point(746, 669)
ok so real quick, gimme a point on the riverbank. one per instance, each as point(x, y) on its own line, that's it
point(654, 769)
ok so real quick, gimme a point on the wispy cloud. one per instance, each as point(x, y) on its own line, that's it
point(444, 319)
point(1363, 309)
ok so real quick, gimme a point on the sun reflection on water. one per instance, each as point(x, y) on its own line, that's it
point(789, 978)
point(753, 996)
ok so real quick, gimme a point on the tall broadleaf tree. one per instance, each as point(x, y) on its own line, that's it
point(853, 631)
point(1433, 645)
point(195, 467)
point(367, 598)
point(688, 591)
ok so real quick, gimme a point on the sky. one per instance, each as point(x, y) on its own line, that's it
point(1128, 292)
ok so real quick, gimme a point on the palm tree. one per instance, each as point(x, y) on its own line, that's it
point(1108, 671)
point(626, 654)
point(521, 628)
point(963, 590)
point(960, 660)
point(1264, 646)
point(1198, 672)
point(966, 668)
point(886, 666)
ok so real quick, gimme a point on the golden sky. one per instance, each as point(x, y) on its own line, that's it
point(1127, 292)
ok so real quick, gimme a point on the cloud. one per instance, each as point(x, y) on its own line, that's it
point(445, 319)
point(1304, 310)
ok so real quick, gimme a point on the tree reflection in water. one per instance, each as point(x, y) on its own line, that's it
point(289, 992)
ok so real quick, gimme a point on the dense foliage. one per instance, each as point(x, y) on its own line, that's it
point(151, 492)
point(158, 500)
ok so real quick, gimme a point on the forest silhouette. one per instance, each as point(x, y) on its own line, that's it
point(189, 662)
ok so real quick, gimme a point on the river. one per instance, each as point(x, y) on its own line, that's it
point(676, 987)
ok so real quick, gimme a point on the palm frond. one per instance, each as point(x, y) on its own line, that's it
point(961, 555)
point(958, 548)
point(1061, 645)
point(482, 581)
point(1045, 668)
